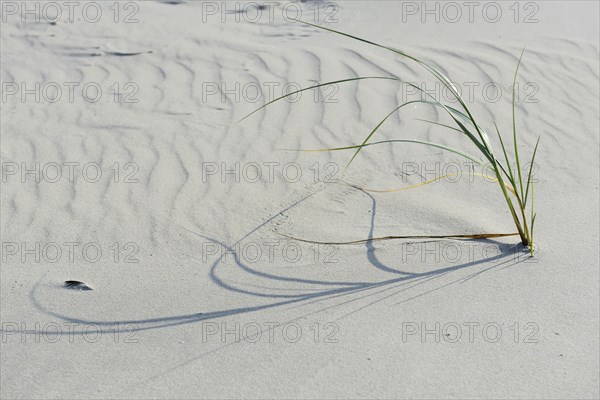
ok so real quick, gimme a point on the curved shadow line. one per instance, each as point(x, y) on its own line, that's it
point(426, 277)
point(196, 317)
point(352, 287)
point(371, 256)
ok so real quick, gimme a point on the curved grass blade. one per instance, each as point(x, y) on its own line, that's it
point(483, 145)
point(472, 236)
point(438, 74)
point(529, 177)
point(440, 146)
point(439, 124)
point(315, 87)
point(515, 124)
point(451, 111)
point(510, 188)
point(531, 242)
point(510, 175)
point(458, 130)
point(378, 126)
point(418, 185)
point(435, 102)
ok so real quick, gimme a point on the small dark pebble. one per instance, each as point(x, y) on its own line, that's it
point(76, 285)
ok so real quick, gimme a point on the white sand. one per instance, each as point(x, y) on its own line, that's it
point(357, 308)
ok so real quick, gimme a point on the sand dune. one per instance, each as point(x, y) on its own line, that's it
point(177, 215)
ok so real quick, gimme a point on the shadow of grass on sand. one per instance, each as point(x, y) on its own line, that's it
point(345, 292)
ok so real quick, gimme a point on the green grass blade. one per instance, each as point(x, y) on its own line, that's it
point(509, 175)
point(529, 177)
point(451, 111)
point(481, 147)
point(357, 38)
point(439, 146)
point(479, 137)
point(440, 124)
point(318, 86)
point(454, 112)
point(458, 130)
point(531, 244)
point(515, 124)
point(378, 126)
point(437, 73)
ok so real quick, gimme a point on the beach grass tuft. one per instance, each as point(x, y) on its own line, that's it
point(510, 183)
